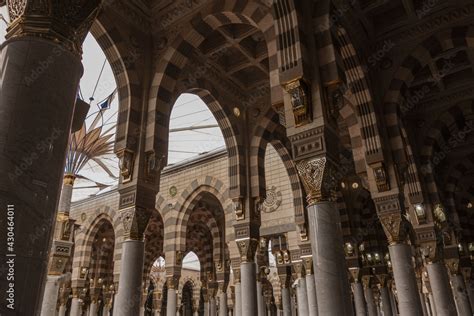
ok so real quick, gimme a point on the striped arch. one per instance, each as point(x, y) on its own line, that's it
point(122, 55)
point(270, 131)
point(178, 54)
point(412, 180)
point(451, 123)
point(419, 58)
point(85, 239)
point(195, 285)
point(453, 177)
point(175, 227)
point(361, 99)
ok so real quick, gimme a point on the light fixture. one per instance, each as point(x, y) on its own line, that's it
point(420, 211)
point(387, 257)
point(236, 111)
point(362, 247)
point(377, 257)
point(343, 185)
point(469, 205)
point(355, 185)
point(369, 258)
point(471, 247)
point(460, 248)
point(84, 271)
point(349, 249)
point(439, 213)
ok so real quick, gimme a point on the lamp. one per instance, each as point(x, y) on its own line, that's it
point(420, 211)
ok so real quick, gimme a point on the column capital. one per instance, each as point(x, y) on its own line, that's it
point(318, 179)
point(172, 282)
point(389, 211)
point(247, 248)
point(299, 268)
point(65, 22)
point(135, 221)
point(308, 264)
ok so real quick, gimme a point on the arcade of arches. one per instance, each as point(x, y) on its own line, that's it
point(346, 186)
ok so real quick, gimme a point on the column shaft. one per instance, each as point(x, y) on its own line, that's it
point(359, 300)
point(260, 302)
point(312, 300)
point(332, 285)
point(62, 311)
point(432, 305)
point(223, 304)
point(460, 295)
point(369, 299)
point(248, 279)
point(50, 298)
point(302, 297)
point(212, 306)
point(75, 307)
point(38, 93)
point(130, 283)
point(171, 303)
point(286, 301)
point(442, 294)
point(404, 275)
point(238, 299)
point(385, 298)
point(93, 309)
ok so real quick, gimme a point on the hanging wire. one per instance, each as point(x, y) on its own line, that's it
point(97, 82)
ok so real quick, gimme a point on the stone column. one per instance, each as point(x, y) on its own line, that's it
point(423, 304)
point(129, 291)
point(286, 301)
point(441, 289)
point(50, 295)
point(310, 287)
point(62, 311)
point(106, 310)
point(172, 297)
point(248, 275)
point(38, 91)
point(223, 304)
point(460, 294)
point(238, 299)
point(432, 304)
point(359, 299)
point(369, 299)
point(260, 301)
point(76, 304)
point(332, 286)
point(212, 306)
point(302, 296)
point(128, 300)
point(93, 309)
point(385, 298)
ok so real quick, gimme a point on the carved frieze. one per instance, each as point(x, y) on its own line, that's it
point(272, 201)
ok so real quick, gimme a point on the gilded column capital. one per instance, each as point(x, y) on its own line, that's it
point(247, 248)
point(172, 282)
point(299, 268)
point(65, 22)
point(391, 217)
point(135, 221)
point(308, 264)
point(317, 176)
point(452, 265)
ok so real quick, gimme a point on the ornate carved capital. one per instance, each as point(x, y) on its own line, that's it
point(318, 179)
point(239, 208)
point(134, 222)
point(66, 22)
point(69, 179)
point(154, 165)
point(391, 218)
point(126, 162)
point(299, 269)
point(308, 264)
point(247, 248)
point(172, 282)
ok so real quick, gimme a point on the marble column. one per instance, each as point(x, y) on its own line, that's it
point(260, 302)
point(76, 307)
point(212, 306)
point(441, 289)
point(238, 299)
point(359, 299)
point(206, 308)
point(312, 300)
point(286, 301)
point(332, 284)
point(93, 309)
point(62, 311)
point(370, 301)
point(470, 290)
point(424, 304)
point(50, 297)
point(106, 310)
point(39, 78)
point(432, 304)
point(172, 300)
point(302, 296)
point(130, 283)
point(393, 300)
point(248, 283)
point(223, 304)
point(460, 295)
point(385, 300)
point(404, 276)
